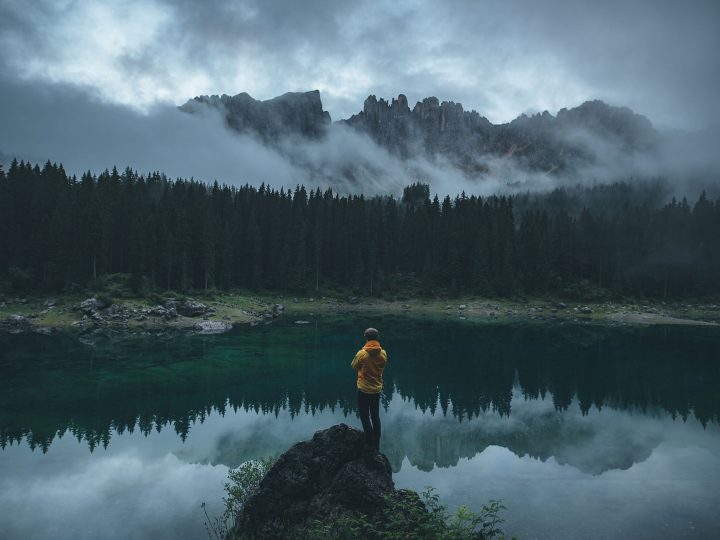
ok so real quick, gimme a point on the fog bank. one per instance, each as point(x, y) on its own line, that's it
point(66, 125)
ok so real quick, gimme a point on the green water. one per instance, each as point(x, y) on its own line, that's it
point(583, 431)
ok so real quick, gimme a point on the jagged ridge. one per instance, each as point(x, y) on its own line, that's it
point(538, 142)
point(433, 129)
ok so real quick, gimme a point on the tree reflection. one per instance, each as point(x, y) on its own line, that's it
point(52, 385)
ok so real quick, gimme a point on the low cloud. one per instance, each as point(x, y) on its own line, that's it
point(66, 125)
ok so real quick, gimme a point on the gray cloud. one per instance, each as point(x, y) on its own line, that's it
point(65, 124)
point(95, 85)
point(501, 58)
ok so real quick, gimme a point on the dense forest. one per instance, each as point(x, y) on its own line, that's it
point(59, 232)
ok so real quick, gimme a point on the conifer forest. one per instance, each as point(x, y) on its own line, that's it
point(58, 232)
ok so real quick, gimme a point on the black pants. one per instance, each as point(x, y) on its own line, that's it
point(369, 409)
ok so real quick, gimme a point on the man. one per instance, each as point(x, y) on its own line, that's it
point(370, 362)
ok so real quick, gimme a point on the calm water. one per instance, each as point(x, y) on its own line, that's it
point(584, 432)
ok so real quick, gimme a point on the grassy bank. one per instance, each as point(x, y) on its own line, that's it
point(239, 307)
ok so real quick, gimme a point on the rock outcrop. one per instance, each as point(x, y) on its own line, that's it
point(593, 133)
point(539, 142)
point(15, 323)
point(92, 305)
point(318, 481)
point(212, 327)
point(293, 113)
point(189, 308)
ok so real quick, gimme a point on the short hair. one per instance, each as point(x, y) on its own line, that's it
point(371, 333)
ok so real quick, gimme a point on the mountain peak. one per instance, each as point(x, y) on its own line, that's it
point(444, 129)
point(299, 113)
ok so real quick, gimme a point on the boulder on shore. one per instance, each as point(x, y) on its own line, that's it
point(331, 476)
point(17, 320)
point(92, 305)
point(212, 327)
point(191, 308)
point(15, 323)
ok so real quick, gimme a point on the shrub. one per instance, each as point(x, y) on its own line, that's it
point(116, 285)
point(20, 279)
point(584, 291)
point(408, 520)
point(242, 483)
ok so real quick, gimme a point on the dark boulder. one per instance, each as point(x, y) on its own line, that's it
point(321, 480)
point(118, 312)
point(158, 311)
point(91, 305)
point(17, 320)
point(191, 308)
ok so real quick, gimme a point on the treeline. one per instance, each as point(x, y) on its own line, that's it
point(58, 231)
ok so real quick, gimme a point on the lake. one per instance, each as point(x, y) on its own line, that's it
point(583, 431)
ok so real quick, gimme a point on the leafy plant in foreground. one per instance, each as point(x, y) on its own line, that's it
point(407, 516)
point(242, 483)
point(408, 520)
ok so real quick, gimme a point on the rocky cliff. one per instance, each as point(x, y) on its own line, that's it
point(320, 481)
point(592, 134)
point(539, 142)
point(293, 113)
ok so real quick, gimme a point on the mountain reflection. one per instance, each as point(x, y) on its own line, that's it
point(459, 376)
point(607, 440)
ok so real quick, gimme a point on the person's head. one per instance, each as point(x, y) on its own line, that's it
point(371, 333)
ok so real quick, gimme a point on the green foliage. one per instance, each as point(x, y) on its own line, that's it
point(156, 298)
point(116, 285)
point(242, 483)
point(584, 291)
point(411, 518)
point(20, 279)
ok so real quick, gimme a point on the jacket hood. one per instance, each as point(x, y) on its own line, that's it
point(373, 346)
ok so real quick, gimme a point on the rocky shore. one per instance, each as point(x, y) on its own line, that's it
point(96, 313)
point(221, 312)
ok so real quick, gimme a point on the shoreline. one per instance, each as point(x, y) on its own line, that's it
point(219, 312)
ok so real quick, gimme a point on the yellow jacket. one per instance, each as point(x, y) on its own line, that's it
point(370, 362)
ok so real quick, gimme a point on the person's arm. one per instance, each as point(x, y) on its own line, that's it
point(357, 361)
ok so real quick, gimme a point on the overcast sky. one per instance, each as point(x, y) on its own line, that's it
point(501, 58)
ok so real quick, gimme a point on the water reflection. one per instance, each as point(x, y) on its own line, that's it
point(583, 431)
point(53, 384)
point(425, 441)
point(563, 474)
